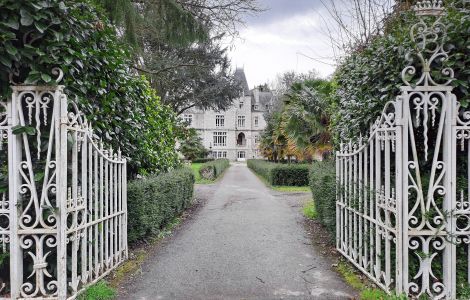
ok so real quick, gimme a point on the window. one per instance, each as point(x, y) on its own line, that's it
point(219, 121)
point(256, 139)
point(256, 121)
point(241, 121)
point(221, 154)
point(188, 118)
point(267, 106)
point(240, 104)
point(220, 138)
point(256, 107)
point(241, 154)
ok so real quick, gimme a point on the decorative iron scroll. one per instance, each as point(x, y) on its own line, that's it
point(414, 172)
point(64, 213)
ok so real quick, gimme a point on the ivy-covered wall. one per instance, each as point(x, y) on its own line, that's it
point(75, 36)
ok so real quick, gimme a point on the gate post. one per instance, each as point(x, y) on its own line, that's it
point(400, 146)
point(61, 150)
point(14, 158)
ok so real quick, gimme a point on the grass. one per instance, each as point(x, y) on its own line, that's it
point(98, 291)
point(199, 179)
point(351, 277)
point(284, 188)
point(309, 210)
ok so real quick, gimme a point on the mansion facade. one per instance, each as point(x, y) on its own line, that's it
point(235, 132)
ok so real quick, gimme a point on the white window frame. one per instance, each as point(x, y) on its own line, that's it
point(188, 118)
point(256, 121)
point(256, 139)
point(219, 121)
point(241, 121)
point(241, 156)
point(219, 138)
point(220, 154)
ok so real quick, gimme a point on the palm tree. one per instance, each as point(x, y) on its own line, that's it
point(305, 118)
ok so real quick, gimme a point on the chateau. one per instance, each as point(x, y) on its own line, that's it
point(235, 132)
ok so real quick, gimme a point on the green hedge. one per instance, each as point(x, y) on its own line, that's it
point(280, 174)
point(156, 200)
point(323, 186)
point(212, 169)
point(201, 160)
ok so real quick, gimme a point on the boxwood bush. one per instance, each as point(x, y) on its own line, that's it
point(154, 201)
point(323, 186)
point(212, 169)
point(201, 160)
point(280, 174)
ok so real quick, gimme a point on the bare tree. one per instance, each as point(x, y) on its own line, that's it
point(222, 16)
point(353, 23)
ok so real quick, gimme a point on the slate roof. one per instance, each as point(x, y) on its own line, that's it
point(240, 77)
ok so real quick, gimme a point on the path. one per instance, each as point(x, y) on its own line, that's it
point(247, 242)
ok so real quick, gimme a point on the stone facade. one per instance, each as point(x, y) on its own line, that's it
point(235, 132)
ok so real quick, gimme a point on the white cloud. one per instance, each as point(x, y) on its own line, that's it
point(265, 50)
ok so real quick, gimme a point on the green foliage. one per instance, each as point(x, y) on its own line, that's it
point(377, 294)
point(201, 160)
point(299, 125)
point(37, 36)
point(369, 77)
point(154, 201)
point(309, 210)
point(280, 174)
point(191, 145)
point(212, 169)
point(98, 291)
point(323, 186)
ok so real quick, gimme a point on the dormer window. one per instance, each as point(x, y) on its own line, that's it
point(256, 107)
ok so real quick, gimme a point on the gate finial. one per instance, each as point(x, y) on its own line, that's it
point(429, 8)
point(430, 51)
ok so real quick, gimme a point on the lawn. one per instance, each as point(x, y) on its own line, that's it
point(199, 179)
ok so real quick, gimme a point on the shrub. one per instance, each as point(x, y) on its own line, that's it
point(201, 160)
point(212, 169)
point(280, 174)
point(323, 186)
point(155, 200)
point(75, 36)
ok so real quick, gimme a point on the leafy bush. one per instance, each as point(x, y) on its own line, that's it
point(155, 200)
point(212, 169)
point(201, 160)
point(37, 36)
point(280, 174)
point(371, 76)
point(323, 186)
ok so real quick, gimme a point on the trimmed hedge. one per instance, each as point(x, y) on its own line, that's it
point(280, 174)
point(201, 160)
point(212, 169)
point(323, 186)
point(154, 201)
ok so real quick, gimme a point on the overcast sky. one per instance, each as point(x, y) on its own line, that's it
point(279, 40)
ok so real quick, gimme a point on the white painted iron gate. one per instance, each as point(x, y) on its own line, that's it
point(403, 195)
point(63, 209)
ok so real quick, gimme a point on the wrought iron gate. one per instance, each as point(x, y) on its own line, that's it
point(63, 214)
point(403, 196)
